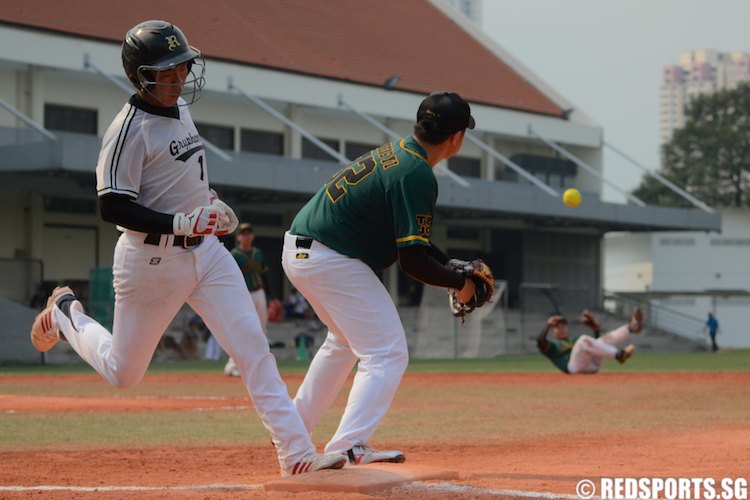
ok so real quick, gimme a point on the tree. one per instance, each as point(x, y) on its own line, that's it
point(710, 156)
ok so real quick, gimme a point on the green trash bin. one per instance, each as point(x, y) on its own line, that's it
point(101, 305)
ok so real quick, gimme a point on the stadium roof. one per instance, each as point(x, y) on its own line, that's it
point(360, 41)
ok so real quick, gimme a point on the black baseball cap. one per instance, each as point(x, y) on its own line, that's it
point(447, 110)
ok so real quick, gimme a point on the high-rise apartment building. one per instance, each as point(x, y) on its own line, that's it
point(699, 72)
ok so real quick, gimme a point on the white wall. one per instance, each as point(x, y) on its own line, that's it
point(627, 262)
point(733, 314)
point(700, 263)
point(683, 261)
point(693, 261)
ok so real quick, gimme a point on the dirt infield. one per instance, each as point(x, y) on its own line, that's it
point(501, 432)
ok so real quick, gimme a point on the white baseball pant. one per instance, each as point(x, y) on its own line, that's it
point(589, 353)
point(261, 308)
point(363, 324)
point(151, 285)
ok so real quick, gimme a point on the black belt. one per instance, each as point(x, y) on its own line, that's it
point(304, 242)
point(179, 241)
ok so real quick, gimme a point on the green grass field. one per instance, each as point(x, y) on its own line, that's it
point(724, 361)
point(162, 428)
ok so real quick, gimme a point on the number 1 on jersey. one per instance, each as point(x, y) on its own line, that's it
point(200, 160)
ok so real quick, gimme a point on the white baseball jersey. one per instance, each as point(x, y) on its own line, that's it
point(154, 156)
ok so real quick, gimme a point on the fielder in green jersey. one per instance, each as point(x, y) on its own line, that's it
point(254, 268)
point(586, 353)
point(250, 258)
point(383, 201)
point(375, 211)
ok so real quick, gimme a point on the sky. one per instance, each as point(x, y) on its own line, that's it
point(606, 57)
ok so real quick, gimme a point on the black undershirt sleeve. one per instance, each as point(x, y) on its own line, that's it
point(541, 341)
point(121, 210)
point(437, 254)
point(418, 262)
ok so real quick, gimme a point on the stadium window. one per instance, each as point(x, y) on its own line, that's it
point(70, 119)
point(354, 150)
point(553, 171)
point(259, 141)
point(467, 167)
point(689, 242)
point(218, 135)
point(313, 152)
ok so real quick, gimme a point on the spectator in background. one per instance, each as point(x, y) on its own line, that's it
point(712, 325)
point(275, 311)
point(253, 265)
point(295, 305)
point(189, 343)
point(197, 329)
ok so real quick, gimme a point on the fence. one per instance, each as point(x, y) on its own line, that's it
point(658, 316)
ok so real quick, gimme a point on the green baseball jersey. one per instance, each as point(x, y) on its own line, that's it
point(558, 351)
point(380, 202)
point(253, 265)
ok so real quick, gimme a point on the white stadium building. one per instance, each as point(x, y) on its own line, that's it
point(294, 90)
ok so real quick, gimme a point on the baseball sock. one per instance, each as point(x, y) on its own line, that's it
point(64, 304)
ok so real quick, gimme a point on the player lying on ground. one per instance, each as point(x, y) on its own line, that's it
point(373, 212)
point(585, 354)
point(152, 181)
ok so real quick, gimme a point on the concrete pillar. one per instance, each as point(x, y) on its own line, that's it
point(488, 159)
point(293, 138)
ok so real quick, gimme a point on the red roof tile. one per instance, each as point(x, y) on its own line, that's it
point(362, 41)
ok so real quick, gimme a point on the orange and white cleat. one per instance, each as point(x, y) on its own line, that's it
point(44, 332)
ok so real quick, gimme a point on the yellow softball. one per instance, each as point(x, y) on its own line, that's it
point(571, 197)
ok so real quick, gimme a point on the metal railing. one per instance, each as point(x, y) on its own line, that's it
point(440, 167)
point(88, 64)
point(588, 168)
point(343, 160)
point(657, 316)
point(27, 120)
point(663, 180)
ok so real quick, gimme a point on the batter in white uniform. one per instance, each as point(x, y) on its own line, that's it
point(152, 181)
point(373, 212)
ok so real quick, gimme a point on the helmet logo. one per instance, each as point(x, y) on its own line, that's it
point(172, 42)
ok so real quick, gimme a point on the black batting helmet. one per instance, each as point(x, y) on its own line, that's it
point(154, 46)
